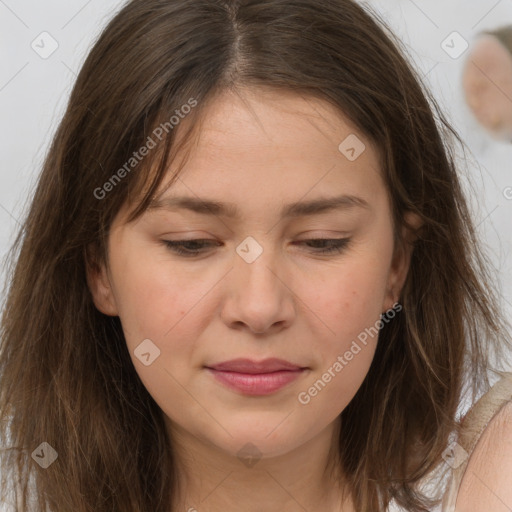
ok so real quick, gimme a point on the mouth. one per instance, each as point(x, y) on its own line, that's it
point(256, 378)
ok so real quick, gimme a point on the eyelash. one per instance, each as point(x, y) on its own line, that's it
point(338, 245)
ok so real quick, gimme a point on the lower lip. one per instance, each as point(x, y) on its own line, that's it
point(256, 384)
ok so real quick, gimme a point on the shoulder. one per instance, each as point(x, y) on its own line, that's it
point(487, 481)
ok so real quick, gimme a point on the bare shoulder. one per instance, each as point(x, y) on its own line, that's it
point(487, 482)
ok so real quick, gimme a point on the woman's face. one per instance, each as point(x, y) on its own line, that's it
point(258, 288)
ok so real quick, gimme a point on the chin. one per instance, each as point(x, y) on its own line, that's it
point(264, 441)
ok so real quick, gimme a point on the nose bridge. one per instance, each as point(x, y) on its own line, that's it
point(258, 296)
point(256, 267)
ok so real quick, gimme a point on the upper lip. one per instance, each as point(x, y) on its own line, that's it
point(250, 366)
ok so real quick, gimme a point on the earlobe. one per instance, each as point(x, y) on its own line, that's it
point(100, 287)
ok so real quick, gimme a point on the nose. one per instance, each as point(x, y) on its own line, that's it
point(259, 296)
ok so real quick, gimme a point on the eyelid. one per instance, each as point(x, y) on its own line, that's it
point(337, 245)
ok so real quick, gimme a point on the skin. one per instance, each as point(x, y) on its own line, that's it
point(259, 150)
point(487, 83)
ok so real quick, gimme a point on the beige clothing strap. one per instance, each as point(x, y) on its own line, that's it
point(472, 427)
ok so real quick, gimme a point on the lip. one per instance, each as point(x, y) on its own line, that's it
point(256, 377)
point(256, 367)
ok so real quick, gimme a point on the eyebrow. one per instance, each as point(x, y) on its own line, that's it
point(230, 210)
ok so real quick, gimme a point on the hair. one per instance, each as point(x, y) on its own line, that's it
point(66, 376)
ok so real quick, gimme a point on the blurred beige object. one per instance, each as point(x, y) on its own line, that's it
point(487, 82)
point(477, 426)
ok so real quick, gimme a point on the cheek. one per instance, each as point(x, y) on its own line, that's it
point(164, 307)
point(351, 295)
point(349, 305)
point(152, 298)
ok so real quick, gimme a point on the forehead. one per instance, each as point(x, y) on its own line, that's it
point(277, 121)
point(278, 134)
point(261, 148)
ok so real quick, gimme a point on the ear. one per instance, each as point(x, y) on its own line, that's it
point(402, 259)
point(99, 284)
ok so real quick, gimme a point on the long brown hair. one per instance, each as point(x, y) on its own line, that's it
point(66, 377)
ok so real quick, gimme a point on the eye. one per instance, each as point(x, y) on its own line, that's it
point(190, 248)
point(329, 245)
